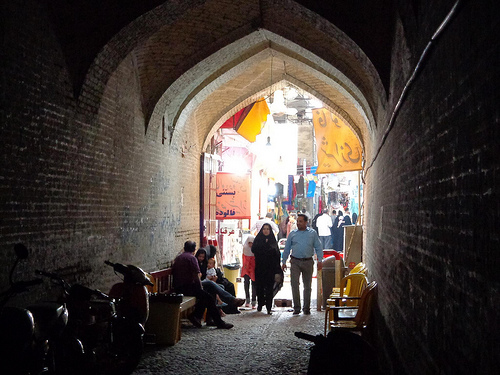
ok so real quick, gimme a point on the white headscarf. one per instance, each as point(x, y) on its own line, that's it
point(247, 250)
point(341, 220)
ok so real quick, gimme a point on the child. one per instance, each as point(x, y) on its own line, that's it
point(212, 275)
point(211, 272)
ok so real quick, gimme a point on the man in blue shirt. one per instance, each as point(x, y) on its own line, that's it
point(303, 243)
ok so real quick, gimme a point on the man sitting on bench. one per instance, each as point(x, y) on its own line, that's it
point(186, 279)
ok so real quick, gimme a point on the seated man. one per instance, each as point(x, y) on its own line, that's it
point(186, 280)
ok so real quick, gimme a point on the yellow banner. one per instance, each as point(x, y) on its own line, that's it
point(338, 147)
point(233, 196)
point(252, 119)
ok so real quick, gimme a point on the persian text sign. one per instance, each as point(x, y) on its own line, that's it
point(338, 148)
point(233, 196)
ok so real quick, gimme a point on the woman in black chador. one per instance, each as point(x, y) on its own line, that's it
point(338, 232)
point(267, 264)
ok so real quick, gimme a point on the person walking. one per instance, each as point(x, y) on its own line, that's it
point(333, 216)
point(324, 225)
point(338, 232)
point(292, 224)
point(267, 220)
point(347, 218)
point(267, 264)
point(302, 243)
point(248, 272)
point(186, 280)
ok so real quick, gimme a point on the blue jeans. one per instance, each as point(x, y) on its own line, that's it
point(213, 288)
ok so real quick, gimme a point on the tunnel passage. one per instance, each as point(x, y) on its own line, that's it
point(89, 175)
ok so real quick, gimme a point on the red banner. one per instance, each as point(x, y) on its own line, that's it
point(233, 196)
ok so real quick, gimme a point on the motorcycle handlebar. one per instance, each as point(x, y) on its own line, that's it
point(55, 277)
point(118, 267)
point(98, 293)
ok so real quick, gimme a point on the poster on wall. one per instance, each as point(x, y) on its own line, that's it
point(233, 196)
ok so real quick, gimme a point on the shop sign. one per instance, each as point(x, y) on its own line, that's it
point(233, 196)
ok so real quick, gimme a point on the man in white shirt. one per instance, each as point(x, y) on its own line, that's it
point(259, 223)
point(324, 225)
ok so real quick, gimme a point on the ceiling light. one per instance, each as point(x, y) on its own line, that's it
point(278, 107)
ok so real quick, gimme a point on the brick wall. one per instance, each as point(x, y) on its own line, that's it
point(81, 182)
point(433, 215)
point(85, 179)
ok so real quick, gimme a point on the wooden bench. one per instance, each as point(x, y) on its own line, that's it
point(165, 314)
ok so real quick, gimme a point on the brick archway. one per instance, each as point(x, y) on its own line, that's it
point(182, 54)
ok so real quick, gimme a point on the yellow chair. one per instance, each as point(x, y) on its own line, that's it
point(362, 318)
point(351, 288)
point(351, 285)
point(359, 268)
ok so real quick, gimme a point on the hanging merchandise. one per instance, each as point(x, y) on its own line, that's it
point(289, 199)
point(300, 187)
point(311, 189)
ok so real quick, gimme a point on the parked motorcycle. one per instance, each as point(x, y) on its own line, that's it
point(32, 340)
point(132, 294)
point(112, 343)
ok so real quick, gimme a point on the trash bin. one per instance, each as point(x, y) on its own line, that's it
point(231, 272)
point(328, 276)
point(164, 318)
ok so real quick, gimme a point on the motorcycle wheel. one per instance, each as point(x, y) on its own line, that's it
point(66, 356)
point(123, 353)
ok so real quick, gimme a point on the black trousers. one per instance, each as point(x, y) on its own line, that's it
point(204, 301)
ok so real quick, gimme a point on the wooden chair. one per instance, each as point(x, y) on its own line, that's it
point(362, 318)
point(162, 281)
point(351, 288)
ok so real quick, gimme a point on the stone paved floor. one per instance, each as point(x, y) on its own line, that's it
point(258, 344)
